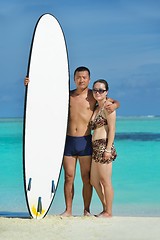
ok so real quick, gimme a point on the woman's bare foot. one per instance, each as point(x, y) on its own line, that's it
point(66, 214)
point(104, 215)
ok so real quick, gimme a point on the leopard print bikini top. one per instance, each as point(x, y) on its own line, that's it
point(98, 121)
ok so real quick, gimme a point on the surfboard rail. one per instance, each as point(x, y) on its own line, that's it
point(43, 133)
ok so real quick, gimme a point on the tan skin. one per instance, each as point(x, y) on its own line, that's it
point(101, 173)
point(79, 126)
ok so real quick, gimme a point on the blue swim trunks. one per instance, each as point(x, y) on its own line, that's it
point(78, 146)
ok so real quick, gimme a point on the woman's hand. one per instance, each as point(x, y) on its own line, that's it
point(107, 155)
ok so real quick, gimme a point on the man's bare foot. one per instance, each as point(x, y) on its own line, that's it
point(66, 214)
point(104, 215)
point(86, 213)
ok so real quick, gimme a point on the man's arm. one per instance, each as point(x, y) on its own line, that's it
point(111, 105)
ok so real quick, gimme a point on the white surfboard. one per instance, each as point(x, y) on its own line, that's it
point(46, 115)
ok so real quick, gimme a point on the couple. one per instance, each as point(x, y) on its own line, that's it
point(96, 167)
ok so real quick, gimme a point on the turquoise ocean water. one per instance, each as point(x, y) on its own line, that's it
point(136, 171)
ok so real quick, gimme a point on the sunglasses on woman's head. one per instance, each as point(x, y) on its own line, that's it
point(100, 91)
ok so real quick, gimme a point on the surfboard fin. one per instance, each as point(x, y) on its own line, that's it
point(39, 206)
point(53, 189)
point(29, 184)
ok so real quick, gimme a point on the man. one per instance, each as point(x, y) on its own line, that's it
point(78, 140)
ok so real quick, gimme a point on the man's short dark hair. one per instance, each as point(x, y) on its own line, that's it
point(81, 69)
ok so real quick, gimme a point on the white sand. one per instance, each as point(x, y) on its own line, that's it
point(80, 228)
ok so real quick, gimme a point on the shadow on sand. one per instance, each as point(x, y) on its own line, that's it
point(15, 215)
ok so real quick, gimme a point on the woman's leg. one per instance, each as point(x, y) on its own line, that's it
point(105, 175)
point(95, 182)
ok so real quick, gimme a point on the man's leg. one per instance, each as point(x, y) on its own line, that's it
point(85, 166)
point(69, 164)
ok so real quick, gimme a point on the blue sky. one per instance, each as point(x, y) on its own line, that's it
point(118, 40)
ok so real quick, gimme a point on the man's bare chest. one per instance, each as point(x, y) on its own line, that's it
point(81, 104)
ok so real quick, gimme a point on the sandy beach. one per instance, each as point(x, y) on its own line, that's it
point(80, 228)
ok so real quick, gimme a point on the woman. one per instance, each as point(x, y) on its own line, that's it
point(104, 152)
